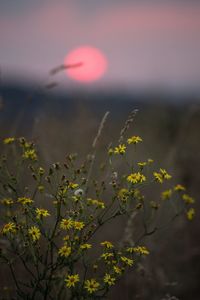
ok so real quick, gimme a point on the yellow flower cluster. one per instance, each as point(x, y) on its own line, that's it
point(85, 246)
point(25, 200)
point(107, 255)
point(73, 207)
point(190, 213)
point(144, 163)
point(121, 148)
point(69, 223)
point(160, 176)
point(166, 194)
point(107, 245)
point(97, 203)
point(139, 249)
point(136, 178)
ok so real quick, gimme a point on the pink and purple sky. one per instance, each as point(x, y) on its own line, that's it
point(147, 43)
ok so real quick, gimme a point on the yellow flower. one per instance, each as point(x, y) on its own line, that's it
point(108, 279)
point(123, 195)
point(26, 145)
point(158, 177)
point(166, 194)
point(150, 161)
point(97, 203)
point(110, 151)
point(65, 251)
point(142, 164)
point(91, 285)
point(40, 212)
point(66, 238)
point(9, 227)
point(107, 255)
point(130, 249)
point(139, 249)
point(95, 267)
point(117, 270)
point(165, 174)
point(188, 199)
point(35, 233)
point(30, 154)
point(24, 200)
point(71, 280)
point(162, 175)
point(139, 205)
point(9, 140)
point(136, 178)
point(78, 225)
point(121, 149)
point(72, 185)
point(66, 224)
point(7, 201)
point(41, 171)
point(41, 188)
point(107, 244)
point(179, 187)
point(85, 246)
point(190, 214)
point(134, 140)
point(127, 261)
point(100, 204)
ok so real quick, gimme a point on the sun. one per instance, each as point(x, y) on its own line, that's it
point(86, 64)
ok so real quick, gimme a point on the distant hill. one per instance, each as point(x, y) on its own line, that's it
point(21, 104)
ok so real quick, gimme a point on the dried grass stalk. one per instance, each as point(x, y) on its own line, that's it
point(101, 126)
point(127, 124)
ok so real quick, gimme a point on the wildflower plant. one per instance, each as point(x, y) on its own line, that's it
point(49, 225)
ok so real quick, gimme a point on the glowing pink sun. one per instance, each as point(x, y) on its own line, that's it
point(87, 64)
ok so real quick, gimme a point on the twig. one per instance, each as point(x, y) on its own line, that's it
point(64, 67)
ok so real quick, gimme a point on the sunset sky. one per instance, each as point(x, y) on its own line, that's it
point(147, 43)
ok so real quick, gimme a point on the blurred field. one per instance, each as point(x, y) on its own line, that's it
point(171, 136)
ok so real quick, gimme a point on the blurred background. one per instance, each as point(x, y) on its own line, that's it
point(151, 54)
